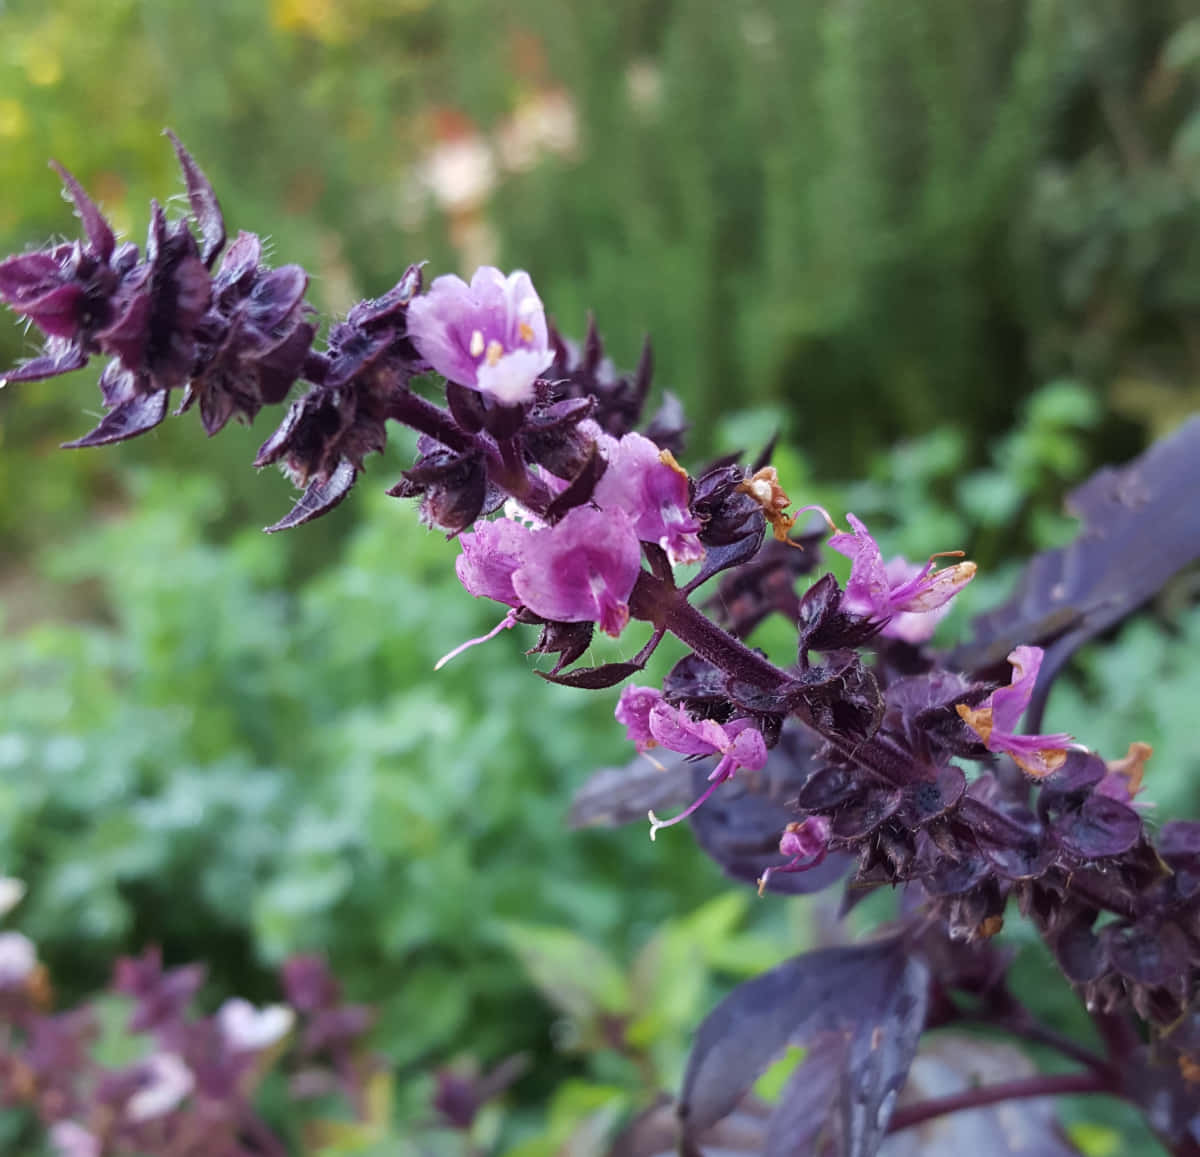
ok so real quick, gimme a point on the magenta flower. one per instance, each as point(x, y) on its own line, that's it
point(582, 569)
point(876, 590)
point(490, 555)
point(652, 488)
point(738, 742)
point(490, 335)
point(914, 627)
point(995, 721)
point(633, 710)
point(807, 843)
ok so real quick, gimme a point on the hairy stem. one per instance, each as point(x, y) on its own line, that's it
point(1044, 1085)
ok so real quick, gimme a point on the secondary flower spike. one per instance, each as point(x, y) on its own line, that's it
point(898, 589)
point(995, 721)
point(490, 335)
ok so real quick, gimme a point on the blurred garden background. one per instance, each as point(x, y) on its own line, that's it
point(950, 250)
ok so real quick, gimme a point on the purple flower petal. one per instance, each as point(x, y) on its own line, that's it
point(582, 569)
point(996, 719)
point(633, 710)
point(490, 556)
point(490, 335)
point(652, 489)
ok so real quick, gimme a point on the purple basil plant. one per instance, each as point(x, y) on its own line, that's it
point(871, 760)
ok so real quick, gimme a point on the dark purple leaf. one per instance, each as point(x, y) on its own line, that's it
point(205, 210)
point(141, 413)
point(579, 489)
point(467, 407)
point(954, 878)
point(719, 558)
point(842, 696)
point(99, 233)
point(882, 1048)
point(1101, 827)
point(926, 799)
point(1141, 524)
point(822, 625)
point(863, 814)
point(1171, 1102)
point(566, 640)
point(828, 787)
point(322, 495)
point(1147, 955)
point(593, 678)
point(614, 796)
point(1080, 952)
point(655, 1133)
point(60, 358)
point(805, 1120)
point(875, 993)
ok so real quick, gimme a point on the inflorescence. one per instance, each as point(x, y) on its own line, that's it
point(570, 519)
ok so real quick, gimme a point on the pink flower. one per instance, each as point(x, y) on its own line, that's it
point(490, 335)
point(490, 555)
point(18, 959)
point(633, 710)
point(738, 742)
point(996, 720)
point(899, 588)
point(582, 569)
point(166, 1082)
point(249, 1029)
point(807, 843)
point(652, 488)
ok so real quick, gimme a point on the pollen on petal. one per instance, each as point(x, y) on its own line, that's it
point(978, 719)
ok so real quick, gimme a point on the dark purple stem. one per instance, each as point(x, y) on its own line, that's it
point(1045, 1085)
point(506, 471)
point(656, 602)
point(1022, 1024)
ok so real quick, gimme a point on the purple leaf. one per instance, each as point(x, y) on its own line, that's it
point(141, 413)
point(98, 231)
point(805, 1118)
point(1141, 524)
point(876, 994)
point(614, 796)
point(1101, 827)
point(594, 678)
point(205, 209)
point(321, 496)
point(60, 359)
point(579, 490)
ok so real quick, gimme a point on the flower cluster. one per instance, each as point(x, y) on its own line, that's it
point(867, 752)
point(194, 1088)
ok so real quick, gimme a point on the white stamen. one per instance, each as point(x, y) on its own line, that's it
point(476, 346)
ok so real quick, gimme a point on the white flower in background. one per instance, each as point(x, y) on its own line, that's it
point(12, 892)
point(168, 1081)
point(73, 1140)
point(18, 959)
point(248, 1029)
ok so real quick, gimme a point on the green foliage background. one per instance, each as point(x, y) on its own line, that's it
point(952, 250)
